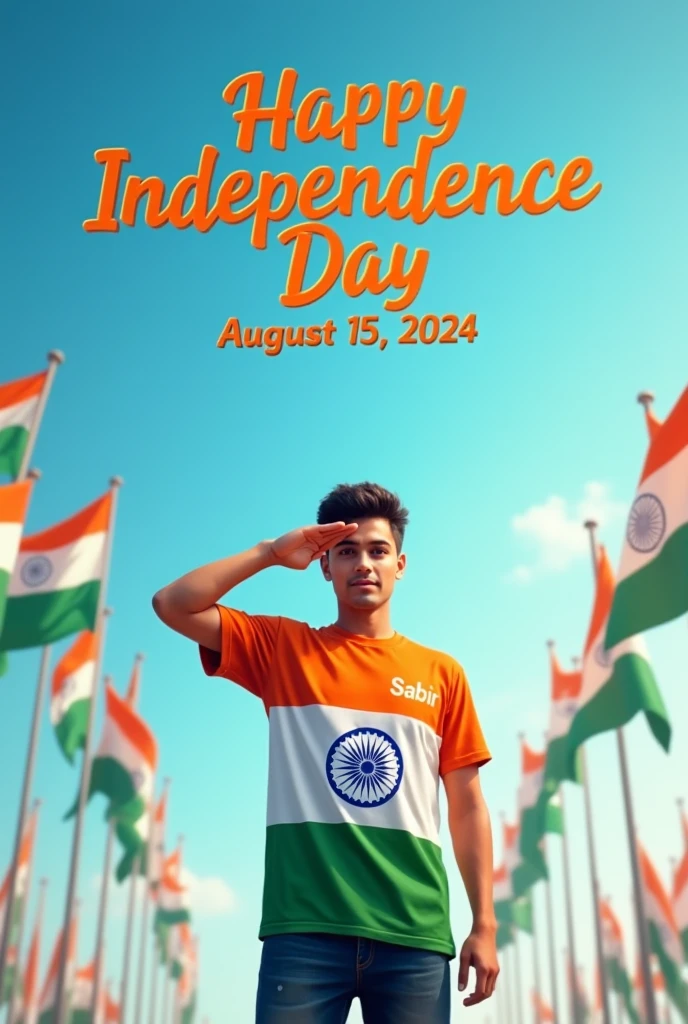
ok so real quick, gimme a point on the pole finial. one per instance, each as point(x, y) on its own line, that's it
point(646, 398)
point(140, 657)
point(116, 481)
point(56, 356)
point(590, 524)
point(34, 473)
point(551, 644)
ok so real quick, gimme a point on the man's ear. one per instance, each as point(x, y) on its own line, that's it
point(325, 566)
point(401, 565)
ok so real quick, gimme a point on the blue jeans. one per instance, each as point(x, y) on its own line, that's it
point(314, 978)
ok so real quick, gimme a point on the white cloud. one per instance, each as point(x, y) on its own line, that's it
point(210, 897)
point(555, 530)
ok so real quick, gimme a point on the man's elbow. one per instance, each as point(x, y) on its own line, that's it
point(161, 605)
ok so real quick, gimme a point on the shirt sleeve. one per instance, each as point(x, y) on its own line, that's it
point(248, 645)
point(463, 743)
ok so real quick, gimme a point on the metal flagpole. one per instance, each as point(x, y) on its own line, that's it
point(23, 810)
point(154, 982)
point(55, 358)
point(536, 957)
point(508, 974)
point(551, 944)
point(12, 1009)
point(517, 974)
point(102, 915)
point(128, 939)
point(594, 881)
point(151, 859)
point(168, 968)
point(641, 923)
point(568, 901)
point(132, 898)
point(22, 921)
point(101, 614)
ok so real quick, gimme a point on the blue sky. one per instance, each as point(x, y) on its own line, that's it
point(499, 449)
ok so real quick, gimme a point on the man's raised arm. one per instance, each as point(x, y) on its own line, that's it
point(189, 604)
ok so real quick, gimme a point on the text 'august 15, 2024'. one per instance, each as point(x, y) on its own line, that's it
point(447, 329)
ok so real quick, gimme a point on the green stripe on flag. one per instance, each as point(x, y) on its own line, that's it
point(676, 987)
point(70, 731)
point(620, 982)
point(654, 594)
point(34, 620)
point(112, 779)
point(12, 447)
point(630, 689)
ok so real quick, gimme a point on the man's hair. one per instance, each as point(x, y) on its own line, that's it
point(348, 503)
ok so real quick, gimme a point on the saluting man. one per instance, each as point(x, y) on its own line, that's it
point(363, 722)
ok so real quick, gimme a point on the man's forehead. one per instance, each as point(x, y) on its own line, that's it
point(371, 530)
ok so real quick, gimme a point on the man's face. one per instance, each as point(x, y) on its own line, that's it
point(364, 568)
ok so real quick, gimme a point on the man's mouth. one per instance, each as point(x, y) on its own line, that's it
point(364, 583)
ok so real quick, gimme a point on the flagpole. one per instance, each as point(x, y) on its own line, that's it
point(38, 924)
point(154, 983)
point(508, 973)
point(641, 923)
point(23, 808)
point(101, 614)
point(55, 358)
point(22, 917)
point(150, 860)
point(168, 970)
point(519, 989)
point(102, 913)
point(132, 897)
point(594, 881)
point(568, 901)
point(536, 956)
point(550, 943)
point(128, 939)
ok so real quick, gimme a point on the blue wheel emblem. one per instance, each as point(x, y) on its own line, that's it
point(646, 523)
point(35, 571)
point(365, 767)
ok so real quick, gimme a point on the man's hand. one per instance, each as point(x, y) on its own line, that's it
point(298, 548)
point(479, 951)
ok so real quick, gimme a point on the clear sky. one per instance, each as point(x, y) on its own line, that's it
point(499, 449)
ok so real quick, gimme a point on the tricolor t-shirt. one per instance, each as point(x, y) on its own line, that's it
point(360, 731)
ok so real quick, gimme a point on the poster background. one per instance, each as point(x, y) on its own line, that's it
point(499, 450)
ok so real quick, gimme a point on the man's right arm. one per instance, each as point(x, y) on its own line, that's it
point(189, 605)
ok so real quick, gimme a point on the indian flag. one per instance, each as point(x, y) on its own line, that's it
point(123, 767)
point(56, 580)
point(21, 878)
point(617, 683)
point(82, 995)
point(173, 901)
point(614, 959)
point(111, 1013)
point(188, 982)
point(14, 504)
point(18, 405)
point(72, 690)
point(665, 940)
point(46, 1003)
point(523, 873)
point(30, 991)
point(653, 575)
point(680, 901)
point(564, 705)
point(539, 812)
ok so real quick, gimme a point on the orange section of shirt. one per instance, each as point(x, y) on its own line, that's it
point(288, 663)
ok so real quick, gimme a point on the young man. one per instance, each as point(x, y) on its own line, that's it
point(363, 722)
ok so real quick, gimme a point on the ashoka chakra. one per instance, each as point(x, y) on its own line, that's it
point(35, 571)
point(364, 767)
point(602, 656)
point(646, 523)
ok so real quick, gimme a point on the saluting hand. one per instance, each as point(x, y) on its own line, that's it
point(298, 548)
